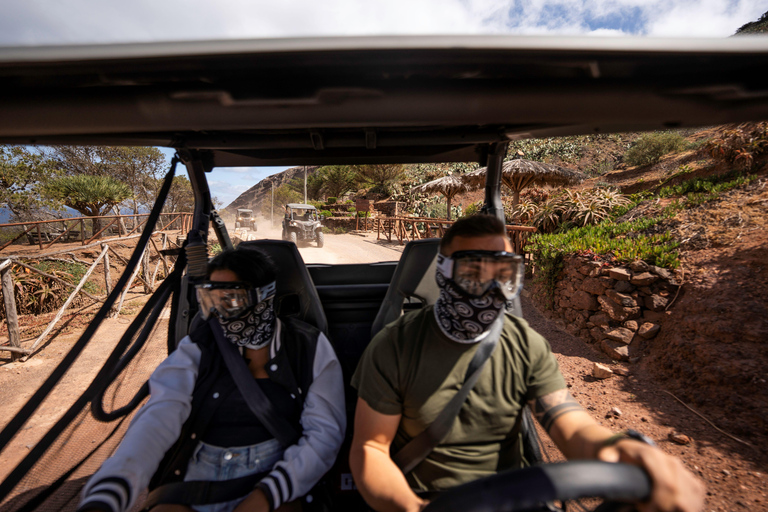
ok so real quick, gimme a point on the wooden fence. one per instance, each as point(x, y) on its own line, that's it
point(147, 277)
point(85, 230)
point(415, 228)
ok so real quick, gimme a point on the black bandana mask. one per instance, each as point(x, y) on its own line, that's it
point(255, 328)
point(463, 317)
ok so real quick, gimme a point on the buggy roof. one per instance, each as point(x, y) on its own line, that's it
point(299, 206)
point(373, 99)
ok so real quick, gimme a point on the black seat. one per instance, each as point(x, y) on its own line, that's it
point(413, 283)
point(296, 294)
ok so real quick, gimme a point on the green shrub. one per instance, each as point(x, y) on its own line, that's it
point(568, 209)
point(326, 213)
point(331, 200)
point(650, 147)
point(349, 201)
point(327, 230)
point(473, 209)
point(711, 185)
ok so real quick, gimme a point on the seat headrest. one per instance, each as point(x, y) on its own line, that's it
point(413, 277)
point(296, 294)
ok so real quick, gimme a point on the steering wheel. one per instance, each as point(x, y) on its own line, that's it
point(529, 488)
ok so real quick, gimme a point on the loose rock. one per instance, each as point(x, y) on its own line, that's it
point(616, 311)
point(656, 303)
point(619, 274)
point(615, 412)
point(601, 371)
point(623, 287)
point(584, 301)
point(679, 438)
point(622, 299)
point(639, 266)
point(600, 318)
point(648, 330)
point(631, 325)
point(615, 350)
point(644, 279)
point(620, 334)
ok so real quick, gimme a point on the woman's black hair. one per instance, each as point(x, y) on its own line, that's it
point(250, 265)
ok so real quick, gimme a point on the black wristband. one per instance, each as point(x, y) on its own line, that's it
point(627, 434)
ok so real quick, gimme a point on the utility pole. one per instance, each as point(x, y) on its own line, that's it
point(305, 184)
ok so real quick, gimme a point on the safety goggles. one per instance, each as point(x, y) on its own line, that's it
point(229, 299)
point(476, 271)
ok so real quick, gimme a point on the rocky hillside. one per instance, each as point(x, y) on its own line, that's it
point(254, 197)
point(756, 27)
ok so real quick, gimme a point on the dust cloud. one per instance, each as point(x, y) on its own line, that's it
point(343, 248)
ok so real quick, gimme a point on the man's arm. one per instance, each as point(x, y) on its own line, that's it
point(579, 436)
point(379, 480)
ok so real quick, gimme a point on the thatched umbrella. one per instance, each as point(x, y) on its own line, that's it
point(449, 186)
point(518, 174)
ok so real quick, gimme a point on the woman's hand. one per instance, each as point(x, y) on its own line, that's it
point(254, 502)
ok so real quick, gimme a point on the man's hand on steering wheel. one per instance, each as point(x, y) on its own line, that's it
point(674, 487)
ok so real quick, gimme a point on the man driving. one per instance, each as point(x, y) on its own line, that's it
point(415, 365)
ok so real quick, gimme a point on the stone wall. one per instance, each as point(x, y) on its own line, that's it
point(617, 307)
point(389, 208)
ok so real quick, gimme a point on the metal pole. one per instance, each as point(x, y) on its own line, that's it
point(305, 184)
point(272, 217)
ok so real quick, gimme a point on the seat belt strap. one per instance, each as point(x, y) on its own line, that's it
point(257, 401)
point(418, 448)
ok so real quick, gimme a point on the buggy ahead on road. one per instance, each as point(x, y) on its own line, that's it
point(245, 219)
point(302, 223)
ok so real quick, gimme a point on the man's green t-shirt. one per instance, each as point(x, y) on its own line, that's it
point(412, 368)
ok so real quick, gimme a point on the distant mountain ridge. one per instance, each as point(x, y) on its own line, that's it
point(254, 197)
point(755, 27)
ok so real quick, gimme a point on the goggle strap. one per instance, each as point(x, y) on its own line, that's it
point(445, 265)
point(266, 291)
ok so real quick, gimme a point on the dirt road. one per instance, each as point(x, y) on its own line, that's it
point(346, 248)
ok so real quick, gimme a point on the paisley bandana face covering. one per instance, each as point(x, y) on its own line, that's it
point(246, 313)
point(474, 289)
point(255, 328)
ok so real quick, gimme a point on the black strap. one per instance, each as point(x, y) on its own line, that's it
point(257, 401)
point(422, 445)
point(202, 492)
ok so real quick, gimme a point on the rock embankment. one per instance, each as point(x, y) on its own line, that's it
point(617, 307)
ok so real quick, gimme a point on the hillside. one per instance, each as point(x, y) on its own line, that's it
point(755, 27)
point(254, 198)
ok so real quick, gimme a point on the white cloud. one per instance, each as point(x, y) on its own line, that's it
point(704, 18)
point(94, 21)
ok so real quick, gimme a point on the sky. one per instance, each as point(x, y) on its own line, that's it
point(59, 22)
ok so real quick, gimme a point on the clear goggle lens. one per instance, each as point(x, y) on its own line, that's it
point(230, 299)
point(476, 271)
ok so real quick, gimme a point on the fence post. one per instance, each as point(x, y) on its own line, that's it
point(11, 316)
point(145, 271)
point(107, 277)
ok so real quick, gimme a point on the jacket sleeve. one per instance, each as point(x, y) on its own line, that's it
point(154, 429)
point(323, 420)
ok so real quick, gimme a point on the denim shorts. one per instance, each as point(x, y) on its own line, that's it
point(215, 463)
